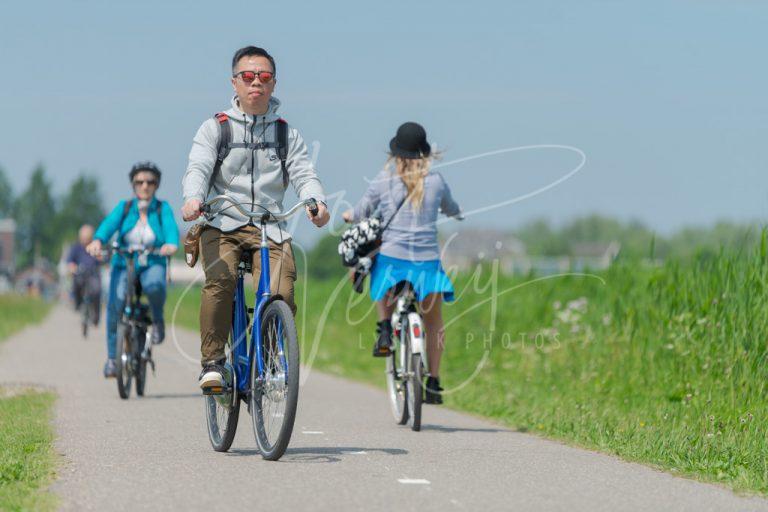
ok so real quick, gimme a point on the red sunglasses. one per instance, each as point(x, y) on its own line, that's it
point(249, 76)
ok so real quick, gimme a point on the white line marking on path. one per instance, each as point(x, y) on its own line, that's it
point(312, 432)
point(417, 481)
point(359, 453)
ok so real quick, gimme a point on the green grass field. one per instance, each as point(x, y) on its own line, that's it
point(664, 365)
point(26, 458)
point(17, 311)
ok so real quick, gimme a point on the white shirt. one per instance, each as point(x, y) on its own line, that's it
point(141, 235)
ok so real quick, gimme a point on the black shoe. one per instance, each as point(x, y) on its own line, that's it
point(110, 370)
point(382, 348)
point(158, 333)
point(432, 393)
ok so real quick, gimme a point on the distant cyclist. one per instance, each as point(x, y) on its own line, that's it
point(142, 221)
point(250, 154)
point(409, 249)
point(86, 273)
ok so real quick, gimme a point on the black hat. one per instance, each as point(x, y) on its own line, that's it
point(145, 166)
point(410, 142)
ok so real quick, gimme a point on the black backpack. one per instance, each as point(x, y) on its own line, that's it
point(226, 144)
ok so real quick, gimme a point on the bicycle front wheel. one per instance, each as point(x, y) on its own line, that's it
point(275, 393)
point(123, 360)
point(141, 362)
point(222, 411)
point(84, 317)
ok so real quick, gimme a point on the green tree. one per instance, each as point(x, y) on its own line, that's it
point(6, 196)
point(35, 213)
point(80, 205)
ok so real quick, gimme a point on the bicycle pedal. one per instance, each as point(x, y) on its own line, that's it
point(218, 390)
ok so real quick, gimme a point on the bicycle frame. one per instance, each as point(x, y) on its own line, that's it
point(244, 355)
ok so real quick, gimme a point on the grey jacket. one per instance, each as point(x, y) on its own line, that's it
point(411, 235)
point(250, 176)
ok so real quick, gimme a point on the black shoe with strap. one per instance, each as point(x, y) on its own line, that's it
point(383, 345)
point(432, 392)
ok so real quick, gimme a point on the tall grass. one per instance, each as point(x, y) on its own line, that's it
point(664, 365)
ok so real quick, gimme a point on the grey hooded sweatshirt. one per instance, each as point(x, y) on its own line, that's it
point(250, 176)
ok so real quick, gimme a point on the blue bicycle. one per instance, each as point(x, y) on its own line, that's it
point(262, 357)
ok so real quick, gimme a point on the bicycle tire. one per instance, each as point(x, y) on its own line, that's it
point(397, 387)
point(214, 407)
point(84, 317)
point(122, 361)
point(415, 392)
point(279, 381)
point(141, 366)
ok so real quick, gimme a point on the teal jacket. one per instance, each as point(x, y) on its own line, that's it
point(168, 233)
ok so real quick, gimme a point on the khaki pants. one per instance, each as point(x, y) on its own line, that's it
point(220, 256)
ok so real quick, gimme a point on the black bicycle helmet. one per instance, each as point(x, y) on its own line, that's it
point(145, 166)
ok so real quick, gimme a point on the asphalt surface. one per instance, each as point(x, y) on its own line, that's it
point(346, 452)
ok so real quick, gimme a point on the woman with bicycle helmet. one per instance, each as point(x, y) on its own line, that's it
point(411, 195)
point(142, 221)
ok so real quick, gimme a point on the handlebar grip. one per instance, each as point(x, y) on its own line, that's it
point(313, 209)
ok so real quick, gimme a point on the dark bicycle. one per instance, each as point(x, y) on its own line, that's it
point(86, 282)
point(134, 347)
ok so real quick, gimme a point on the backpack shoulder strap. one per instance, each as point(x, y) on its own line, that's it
point(126, 209)
point(225, 140)
point(282, 147)
point(159, 211)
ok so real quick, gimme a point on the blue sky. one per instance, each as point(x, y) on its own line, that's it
point(666, 99)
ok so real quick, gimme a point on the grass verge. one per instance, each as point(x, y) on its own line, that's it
point(662, 365)
point(17, 311)
point(27, 459)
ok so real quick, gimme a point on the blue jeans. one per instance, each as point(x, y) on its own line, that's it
point(153, 287)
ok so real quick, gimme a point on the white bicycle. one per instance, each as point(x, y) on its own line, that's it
point(407, 364)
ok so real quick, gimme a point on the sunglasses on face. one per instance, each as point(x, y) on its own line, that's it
point(150, 183)
point(249, 76)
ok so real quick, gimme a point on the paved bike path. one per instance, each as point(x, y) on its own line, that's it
point(346, 453)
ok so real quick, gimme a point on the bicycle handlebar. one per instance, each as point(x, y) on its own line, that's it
point(140, 251)
point(265, 216)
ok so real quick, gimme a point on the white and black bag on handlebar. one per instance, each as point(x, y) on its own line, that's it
point(360, 244)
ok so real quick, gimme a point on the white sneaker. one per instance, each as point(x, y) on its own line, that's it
point(212, 378)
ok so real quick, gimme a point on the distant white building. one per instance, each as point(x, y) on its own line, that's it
point(463, 250)
point(466, 248)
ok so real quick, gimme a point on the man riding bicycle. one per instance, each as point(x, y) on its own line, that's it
point(85, 272)
point(142, 221)
point(251, 155)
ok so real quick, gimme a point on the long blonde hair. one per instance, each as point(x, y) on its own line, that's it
point(413, 171)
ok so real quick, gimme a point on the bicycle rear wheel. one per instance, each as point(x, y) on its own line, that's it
point(397, 387)
point(222, 411)
point(415, 392)
point(275, 394)
point(123, 360)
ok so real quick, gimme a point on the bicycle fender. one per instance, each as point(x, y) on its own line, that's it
point(416, 331)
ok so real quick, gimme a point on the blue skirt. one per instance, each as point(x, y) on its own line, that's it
point(425, 276)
